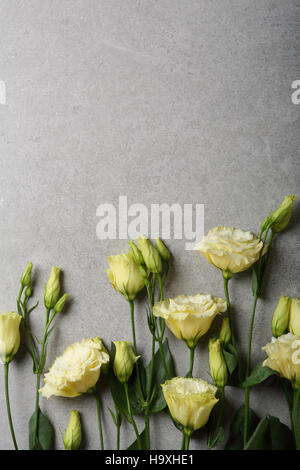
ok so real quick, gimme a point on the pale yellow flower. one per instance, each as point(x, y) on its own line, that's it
point(284, 357)
point(125, 276)
point(190, 401)
point(229, 249)
point(77, 370)
point(189, 317)
point(294, 324)
point(9, 336)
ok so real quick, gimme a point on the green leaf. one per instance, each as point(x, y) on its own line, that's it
point(254, 281)
point(45, 434)
point(236, 432)
point(215, 437)
point(114, 418)
point(259, 438)
point(158, 402)
point(231, 361)
point(271, 434)
point(134, 445)
point(258, 375)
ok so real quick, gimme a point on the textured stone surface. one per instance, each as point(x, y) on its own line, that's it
point(162, 101)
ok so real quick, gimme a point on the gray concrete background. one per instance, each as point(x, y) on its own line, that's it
point(162, 101)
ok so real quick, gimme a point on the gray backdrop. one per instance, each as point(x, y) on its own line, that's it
point(161, 101)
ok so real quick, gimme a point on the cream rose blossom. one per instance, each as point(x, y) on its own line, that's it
point(229, 249)
point(284, 357)
point(77, 370)
point(189, 317)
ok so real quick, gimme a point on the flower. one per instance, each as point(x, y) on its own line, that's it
point(150, 254)
point(125, 276)
point(26, 276)
point(9, 335)
point(124, 360)
point(284, 357)
point(190, 401)
point(294, 324)
point(72, 438)
point(229, 249)
point(189, 317)
point(163, 250)
point(225, 332)
point(52, 289)
point(281, 315)
point(218, 368)
point(280, 218)
point(77, 370)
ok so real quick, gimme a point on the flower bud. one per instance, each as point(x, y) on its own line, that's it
point(150, 254)
point(162, 249)
point(124, 360)
point(72, 438)
point(281, 216)
point(218, 368)
point(28, 292)
point(9, 336)
point(124, 275)
point(26, 276)
point(136, 253)
point(294, 324)
point(280, 320)
point(58, 307)
point(52, 289)
point(225, 332)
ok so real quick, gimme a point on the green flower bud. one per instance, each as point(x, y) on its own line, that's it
point(58, 307)
point(72, 438)
point(225, 332)
point(281, 216)
point(218, 368)
point(124, 360)
point(9, 336)
point(28, 292)
point(136, 253)
point(150, 254)
point(26, 276)
point(143, 272)
point(52, 289)
point(294, 323)
point(280, 320)
point(162, 249)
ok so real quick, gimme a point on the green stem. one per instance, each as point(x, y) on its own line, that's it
point(135, 350)
point(229, 312)
point(183, 441)
point(131, 419)
point(296, 417)
point(221, 406)
point(289, 403)
point(37, 409)
point(192, 354)
point(147, 428)
point(6, 367)
point(161, 287)
point(187, 441)
point(99, 418)
point(247, 390)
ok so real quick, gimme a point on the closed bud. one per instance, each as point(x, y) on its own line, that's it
point(26, 276)
point(58, 307)
point(9, 336)
point(225, 332)
point(294, 324)
point(163, 250)
point(136, 253)
point(143, 272)
point(150, 254)
point(218, 368)
point(281, 216)
point(72, 438)
point(28, 292)
point(280, 320)
point(52, 289)
point(124, 360)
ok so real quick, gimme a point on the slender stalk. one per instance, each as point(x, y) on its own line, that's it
point(161, 287)
point(96, 395)
point(187, 441)
point(192, 354)
point(221, 406)
point(131, 419)
point(229, 311)
point(289, 402)
point(6, 367)
point(247, 390)
point(135, 350)
point(183, 441)
point(296, 417)
point(118, 420)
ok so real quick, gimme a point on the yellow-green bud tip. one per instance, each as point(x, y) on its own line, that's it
point(52, 288)
point(280, 320)
point(150, 254)
point(162, 249)
point(218, 367)
point(124, 360)
point(72, 438)
point(26, 276)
